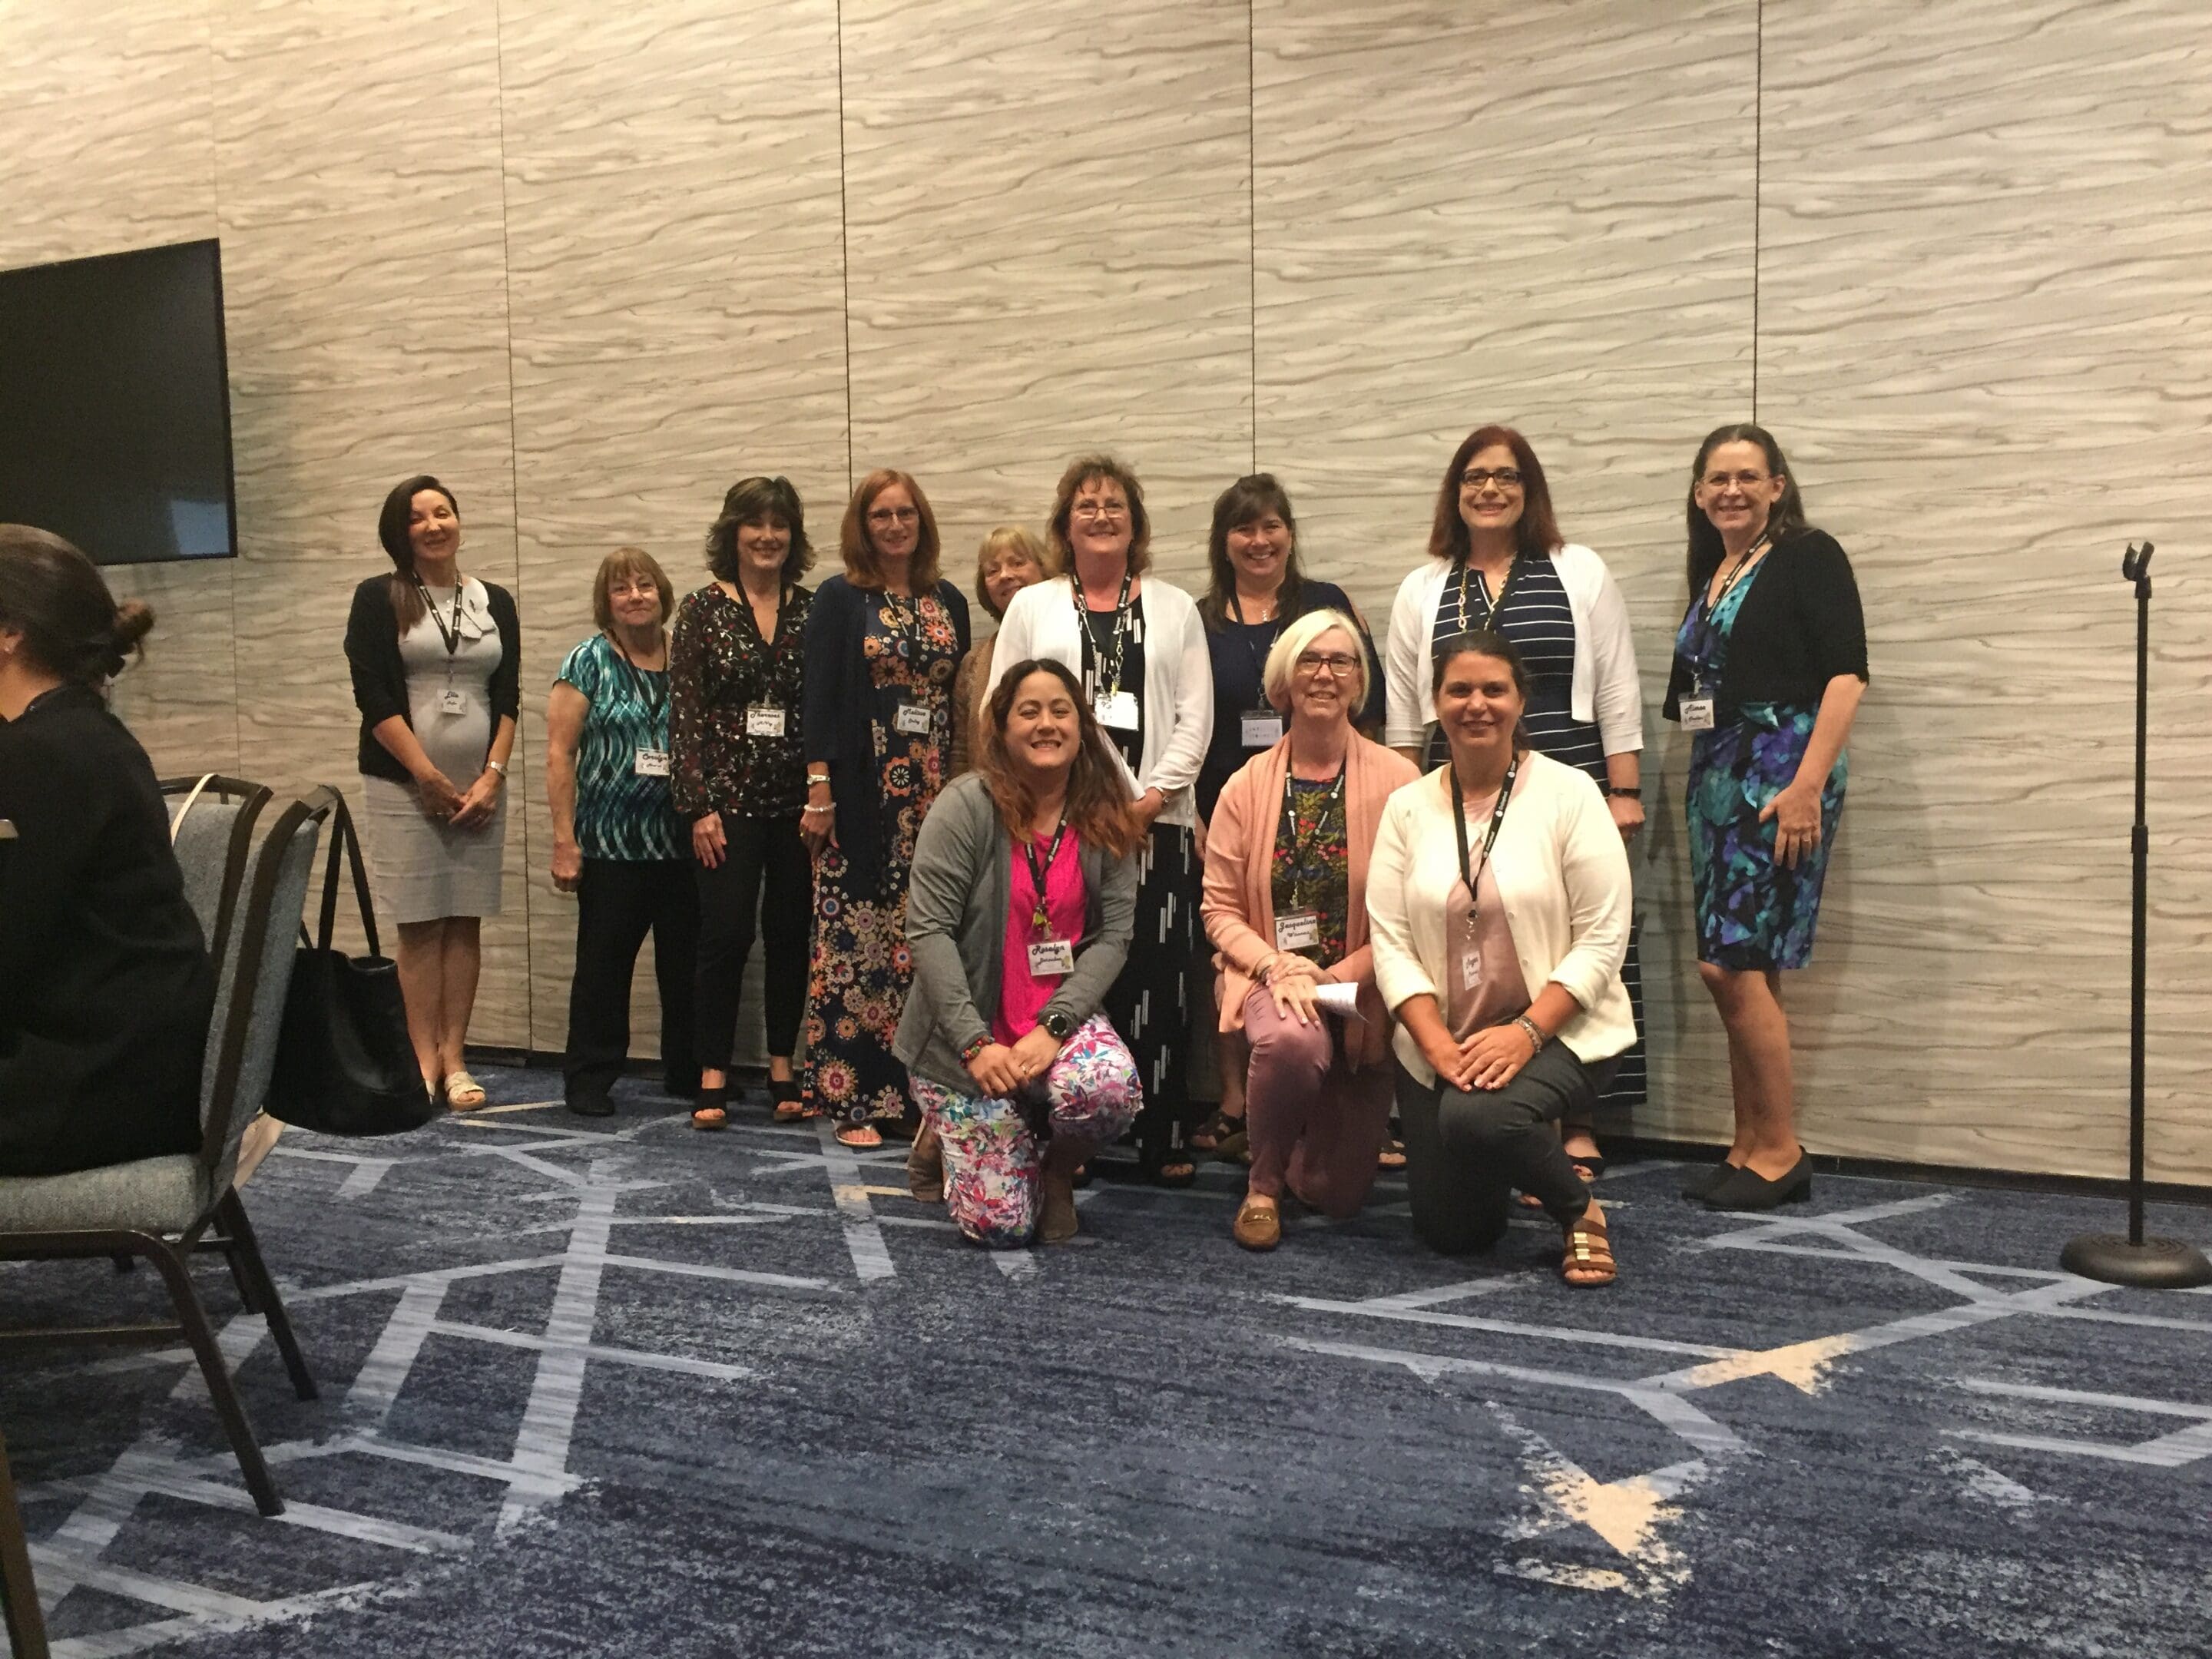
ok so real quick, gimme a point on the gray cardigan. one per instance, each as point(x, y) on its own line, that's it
point(956, 925)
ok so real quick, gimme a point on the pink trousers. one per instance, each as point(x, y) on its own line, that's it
point(1311, 1121)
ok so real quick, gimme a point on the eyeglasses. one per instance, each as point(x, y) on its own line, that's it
point(1740, 480)
point(1505, 477)
point(890, 515)
point(637, 590)
point(1112, 513)
point(1339, 666)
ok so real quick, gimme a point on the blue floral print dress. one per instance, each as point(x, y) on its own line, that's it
point(1751, 912)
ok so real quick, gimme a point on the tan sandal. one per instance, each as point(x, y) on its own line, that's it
point(861, 1137)
point(463, 1092)
point(1589, 1251)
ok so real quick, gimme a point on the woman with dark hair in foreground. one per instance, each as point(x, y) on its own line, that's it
point(106, 989)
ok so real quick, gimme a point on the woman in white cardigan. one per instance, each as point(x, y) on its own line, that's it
point(1497, 560)
point(1499, 909)
point(1138, 648)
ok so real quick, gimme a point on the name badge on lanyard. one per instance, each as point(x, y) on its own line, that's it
point(913, 719)
point(1296, 930)
point(764, 719)
point(1051, 957)
point(1697, 714)
point(1263, 728)
point(453, 700)
point(651, 763)
point(1118, 710)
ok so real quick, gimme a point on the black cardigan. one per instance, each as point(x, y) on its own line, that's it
point(104, 985)
point(379, 681)
point(1799, 627)
point(839, 713)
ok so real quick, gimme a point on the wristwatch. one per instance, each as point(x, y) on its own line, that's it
point(1057, 1023)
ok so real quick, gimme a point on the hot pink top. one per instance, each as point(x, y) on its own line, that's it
point(1022, 995)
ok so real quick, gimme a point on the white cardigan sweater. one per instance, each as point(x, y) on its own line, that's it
point(1560, 869)
point(1178, 677)
point(1604, 692)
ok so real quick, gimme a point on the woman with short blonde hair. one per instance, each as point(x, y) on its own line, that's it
point(1287, 908)
point(1011, 557)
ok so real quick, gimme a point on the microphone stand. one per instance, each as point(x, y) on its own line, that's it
point(2152, 1263)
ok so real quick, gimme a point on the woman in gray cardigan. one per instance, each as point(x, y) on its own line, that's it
point(1020, 905)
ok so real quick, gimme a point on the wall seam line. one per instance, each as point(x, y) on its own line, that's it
point(1252, 206)
point(1758, 182)
point(845, 250)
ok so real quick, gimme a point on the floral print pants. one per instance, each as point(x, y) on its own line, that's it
point(992, 1150)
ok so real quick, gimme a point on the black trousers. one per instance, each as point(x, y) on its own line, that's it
point(1467, 1150)
point(617, 903)
point(764, 869)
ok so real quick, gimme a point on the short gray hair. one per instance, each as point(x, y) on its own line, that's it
point(1291, 644)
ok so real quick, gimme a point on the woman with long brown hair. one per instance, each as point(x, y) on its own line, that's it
point(883, 641)
point(1023, 896)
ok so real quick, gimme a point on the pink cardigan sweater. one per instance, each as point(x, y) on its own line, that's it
point(1240, 904)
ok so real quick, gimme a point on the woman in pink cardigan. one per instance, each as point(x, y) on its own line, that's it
point(1286, 858)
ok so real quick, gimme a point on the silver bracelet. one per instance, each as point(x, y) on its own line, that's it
point(499, 767)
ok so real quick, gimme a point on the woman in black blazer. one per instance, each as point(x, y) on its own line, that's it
point(1770, 665)
point(104, 985)
point(884, 642)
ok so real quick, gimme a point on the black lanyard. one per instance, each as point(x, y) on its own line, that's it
point(1039, 874)
point(1107, 670)
point(1469, 872)
point(640, 684)
point(1705, 610)
point(1259, 657)
point(452, 636)
point(1497, 606)
point(1300, 848)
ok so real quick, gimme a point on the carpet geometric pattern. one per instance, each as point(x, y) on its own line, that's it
point(611, 1387)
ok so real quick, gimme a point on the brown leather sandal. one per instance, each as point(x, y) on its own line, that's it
point(1589, 1251)
point(1258, 1226)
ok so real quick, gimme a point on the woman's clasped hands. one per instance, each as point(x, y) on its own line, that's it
point(1490, 1059)
point(1002, 1070)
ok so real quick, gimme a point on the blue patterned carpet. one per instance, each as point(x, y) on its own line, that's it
point(613, 1388)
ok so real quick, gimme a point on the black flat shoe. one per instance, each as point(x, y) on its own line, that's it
point(1744, 1190)
point(1706, 1177)
point(592, 1106)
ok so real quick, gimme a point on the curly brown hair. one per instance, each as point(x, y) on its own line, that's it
point(1096, 468)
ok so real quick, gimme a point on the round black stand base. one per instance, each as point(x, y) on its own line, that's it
point(2157, 1264)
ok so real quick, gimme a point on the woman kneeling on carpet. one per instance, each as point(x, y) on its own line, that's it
point(1018, 915)
point(1499, 901)
point(1287, 858)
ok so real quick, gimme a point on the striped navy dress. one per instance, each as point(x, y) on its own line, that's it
point(1538, 620)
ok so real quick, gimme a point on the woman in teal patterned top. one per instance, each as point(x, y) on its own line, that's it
point(1770, 665)
point(615, 842)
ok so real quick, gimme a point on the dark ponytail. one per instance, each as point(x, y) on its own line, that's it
point(71, 625)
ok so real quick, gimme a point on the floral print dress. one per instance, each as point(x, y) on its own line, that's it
point(861, 966)
point(1751, 912)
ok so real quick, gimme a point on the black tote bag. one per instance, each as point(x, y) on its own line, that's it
point(344, 1066)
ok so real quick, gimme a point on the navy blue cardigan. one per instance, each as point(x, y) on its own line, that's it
point(840, 716)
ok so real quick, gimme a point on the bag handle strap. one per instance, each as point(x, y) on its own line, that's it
point(177, 823)
point(343, 837)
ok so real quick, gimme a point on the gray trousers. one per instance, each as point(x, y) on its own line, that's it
point(1466, 1151)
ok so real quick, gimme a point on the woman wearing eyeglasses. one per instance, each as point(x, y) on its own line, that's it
point(737, 687)
point(1286, 862)
point(1497, 560)
point(1138, 649)
point(1770, 665)
point(884, 642)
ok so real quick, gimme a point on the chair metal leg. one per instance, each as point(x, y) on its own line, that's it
point(241, 1276)
point(178, 1276)
point(19, 1597)
point(245, 1249)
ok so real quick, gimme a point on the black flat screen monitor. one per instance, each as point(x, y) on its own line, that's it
point(115, 404)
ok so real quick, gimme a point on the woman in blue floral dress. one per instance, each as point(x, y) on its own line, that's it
point(1770, 665)
point(884, 642)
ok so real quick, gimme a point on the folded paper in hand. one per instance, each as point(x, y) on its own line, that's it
point(1336, 999)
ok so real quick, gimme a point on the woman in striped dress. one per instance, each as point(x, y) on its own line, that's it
point(1497, 560)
